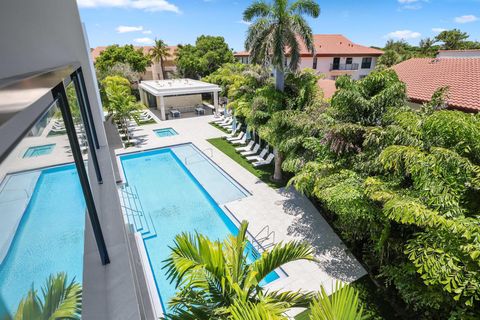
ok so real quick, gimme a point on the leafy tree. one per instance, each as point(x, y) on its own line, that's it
point(389, 58)
point(60, 300)
point(119, 69)
point(215, 280)
point(159, 52)
point(452, 39)
point(126, 54)
point(202, 59)
point(427, 46)
point(277, 29)
point(112, 84)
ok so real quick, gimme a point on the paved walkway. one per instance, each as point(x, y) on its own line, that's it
point(289, 214)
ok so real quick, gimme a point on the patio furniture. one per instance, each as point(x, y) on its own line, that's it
point(265, 162)
point(260, 157)
point(238, 137)
point(241, 141)
point(227, 124)
point(200, 111)
point(251, 152)
point(237, 127)
point(175, 113)
point(247, 148)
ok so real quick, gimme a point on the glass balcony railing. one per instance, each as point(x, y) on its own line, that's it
point(343, 66)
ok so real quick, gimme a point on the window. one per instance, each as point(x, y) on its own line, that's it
point(349, 61)
point(366, 63)
point(336, 64)
point(315, 61)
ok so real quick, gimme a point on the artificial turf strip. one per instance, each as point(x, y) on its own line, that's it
point(263, 173)
point(218, 127)
point(305, 315)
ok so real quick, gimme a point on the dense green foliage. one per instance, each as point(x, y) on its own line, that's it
point(402, 188)
point(398, 51)
point(60, 300)
point(203, 58)
point(215, 280)
point(125, 54)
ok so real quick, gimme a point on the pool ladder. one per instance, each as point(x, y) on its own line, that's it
point(264, 239)
point(134, 213)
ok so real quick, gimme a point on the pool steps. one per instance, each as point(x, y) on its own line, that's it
point(134, 214)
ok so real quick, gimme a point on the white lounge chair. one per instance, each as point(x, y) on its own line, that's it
point(264, 162)
point(239, 137)
point(228, 125)
point(259, 157)
point(241, 141)
point(251, 152)
point(225, 121)
point(237, 127)
point(220, 120)
point(246, 148)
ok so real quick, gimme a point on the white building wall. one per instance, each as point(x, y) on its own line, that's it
point(38, 35)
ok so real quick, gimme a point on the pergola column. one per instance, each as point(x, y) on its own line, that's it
point(215, 101)
point(142, 96)
point(161, 107)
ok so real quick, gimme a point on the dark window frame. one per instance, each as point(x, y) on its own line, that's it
point(365, 64)
point(349, 60)
point(60, 95)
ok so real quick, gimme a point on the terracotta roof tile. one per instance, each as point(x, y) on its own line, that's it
point(425, 75)
point(330, 45)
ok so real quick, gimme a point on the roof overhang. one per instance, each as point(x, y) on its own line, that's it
point(176, 87)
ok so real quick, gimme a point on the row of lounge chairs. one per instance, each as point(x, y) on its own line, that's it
point(251, 149)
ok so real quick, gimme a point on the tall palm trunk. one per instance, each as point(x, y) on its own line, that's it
point(163, 69)
point(279, 79)
point(277, 174)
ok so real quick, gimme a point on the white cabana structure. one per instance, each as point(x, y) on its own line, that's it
point(177, 95)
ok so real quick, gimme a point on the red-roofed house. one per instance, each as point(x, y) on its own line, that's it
point(153, 72)
point(335, 55)
point(425, 75)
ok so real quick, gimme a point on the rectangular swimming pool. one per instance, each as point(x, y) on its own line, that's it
point(176, 200)
point(50, 235)
point(39, 151)
point(165, 132)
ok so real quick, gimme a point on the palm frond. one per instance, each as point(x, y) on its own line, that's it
point(256, 10)
point(306, 7)
point(342, 304)
point(279, 255)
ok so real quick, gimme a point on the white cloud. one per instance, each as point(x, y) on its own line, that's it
point(147, 31)
point(466, 18)
point(143, 40)
point(438, 30)
point(408, 1)
point(125, 29)
point(146, 5)
point(244, 22)
point(403, 34)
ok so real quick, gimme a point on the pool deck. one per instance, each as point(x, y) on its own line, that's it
point(288, 213)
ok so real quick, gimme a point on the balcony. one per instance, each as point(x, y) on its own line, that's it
point(343, 66)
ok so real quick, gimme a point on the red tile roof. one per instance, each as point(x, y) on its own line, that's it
point(425, 75)
point(328, 87)
point(332, 45)
point(95, 52)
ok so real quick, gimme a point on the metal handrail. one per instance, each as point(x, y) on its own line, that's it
point(344, 66)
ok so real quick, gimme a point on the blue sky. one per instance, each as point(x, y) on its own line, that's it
point(368, 22)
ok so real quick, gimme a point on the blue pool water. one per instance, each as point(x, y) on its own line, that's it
point(165, 132)
point(49, 238)
point(39, 151)
point(176, 202)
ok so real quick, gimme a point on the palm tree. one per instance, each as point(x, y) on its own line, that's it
point(342, 304)
point(277, 30)
point(159, 52)
point(61, 300)
point(215, 280)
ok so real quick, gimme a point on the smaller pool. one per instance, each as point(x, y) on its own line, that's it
point(39, 151)
point(165, 132)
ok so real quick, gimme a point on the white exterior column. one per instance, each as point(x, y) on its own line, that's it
point(161, 107)
point(215, 102)
point(142, 96)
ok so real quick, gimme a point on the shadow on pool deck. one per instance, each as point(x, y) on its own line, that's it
point(308, 224)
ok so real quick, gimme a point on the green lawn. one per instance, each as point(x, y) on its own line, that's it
point(218, 127)
point(263, 173)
